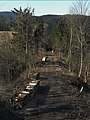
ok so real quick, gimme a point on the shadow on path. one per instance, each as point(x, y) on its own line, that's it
point(50, 109)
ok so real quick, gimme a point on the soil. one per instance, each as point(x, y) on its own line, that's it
point(6, 113)
point(56, 98)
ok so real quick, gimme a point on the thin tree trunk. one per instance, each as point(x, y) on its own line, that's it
point(70, 51)
point(26, 57)
point(59, 54)
point(81, 60)
point(81, 54)
point(8, 71)
point(86, 74)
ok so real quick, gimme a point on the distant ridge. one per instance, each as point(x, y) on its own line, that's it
point(8, 14)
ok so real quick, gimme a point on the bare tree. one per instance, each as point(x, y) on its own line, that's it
point(70, 23)
point(80, 10)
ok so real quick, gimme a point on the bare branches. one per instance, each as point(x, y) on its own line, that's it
point(81, 7)
point(80, 11)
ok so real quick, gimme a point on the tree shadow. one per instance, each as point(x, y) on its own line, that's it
point(87, 89)
point(43, 78)
point(51, 109)
point(43, 89)
point(63, 65)
point(39, 98)
point(42, 94)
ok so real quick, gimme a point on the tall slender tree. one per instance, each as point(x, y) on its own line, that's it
point(61, 36)
point(23, 36)
point(80, 10)
point(38, 34)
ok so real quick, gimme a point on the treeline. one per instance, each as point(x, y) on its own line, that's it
point(70, 37)
point(67, 35)
point(20, 52)
point(4, 23)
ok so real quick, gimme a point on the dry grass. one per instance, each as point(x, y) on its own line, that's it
point(5, 35)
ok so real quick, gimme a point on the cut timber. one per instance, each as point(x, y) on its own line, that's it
point(36, 75)
point(21, 96)
point(25, 92)
point(34, 83)
point(29, 87)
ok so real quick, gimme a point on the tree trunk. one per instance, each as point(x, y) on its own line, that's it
point(81, 60)
point(26, 58)
point(59, 54)
point(86, 74)
point(70, 51)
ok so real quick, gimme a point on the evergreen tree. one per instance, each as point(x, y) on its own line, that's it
point(23, 37)
point(61, 36)
point(39, 34)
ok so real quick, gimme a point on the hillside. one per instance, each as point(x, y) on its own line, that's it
point(48, 19)
point(7, 14)
point(61, 94)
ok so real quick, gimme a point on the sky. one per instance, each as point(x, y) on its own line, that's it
point(56, 7)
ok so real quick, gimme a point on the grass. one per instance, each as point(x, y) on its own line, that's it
point(5, 35)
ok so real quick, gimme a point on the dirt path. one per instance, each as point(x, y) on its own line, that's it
point(56, 99)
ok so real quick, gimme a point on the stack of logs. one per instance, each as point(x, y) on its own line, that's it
point(28, 93)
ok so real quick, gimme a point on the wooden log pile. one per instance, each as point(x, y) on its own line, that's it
point(28, 92)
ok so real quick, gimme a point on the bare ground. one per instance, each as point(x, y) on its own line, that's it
point(56, 99)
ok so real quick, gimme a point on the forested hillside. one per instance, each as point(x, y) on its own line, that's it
point(56, 34)
point(25, 39)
